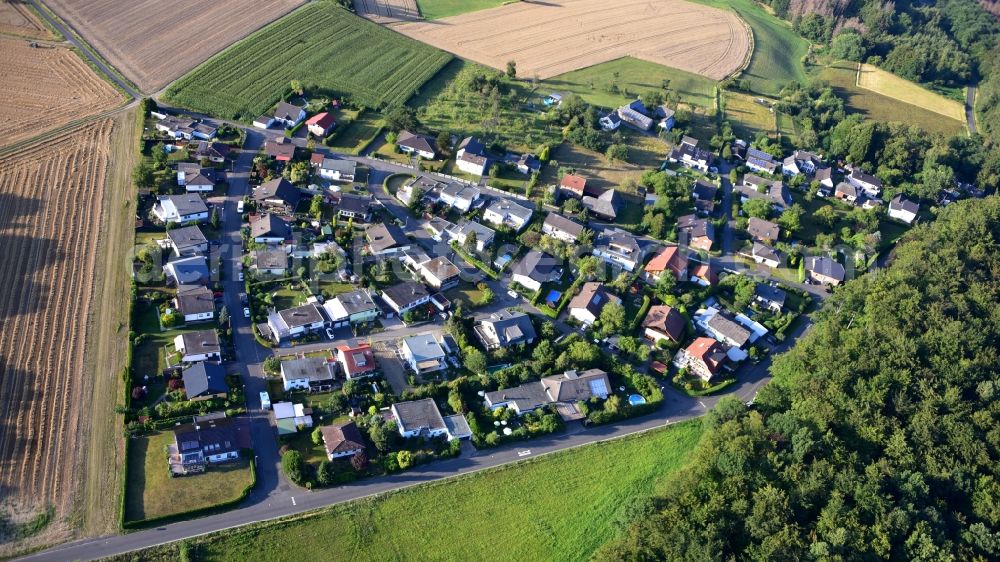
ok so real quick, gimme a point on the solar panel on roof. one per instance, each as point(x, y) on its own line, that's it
point(597, 387)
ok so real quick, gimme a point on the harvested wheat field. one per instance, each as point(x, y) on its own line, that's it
point(387, 11)
point(153, 42)
point(889, 85)
point(550, 38)
point(17, 19)
point(51, 200)
point(45, 87)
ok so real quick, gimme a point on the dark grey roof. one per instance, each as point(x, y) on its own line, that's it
point(195, 299)
point(301, 315)
point(287, 111)
point(416, 142)
point(572, 386)
point(695, 227)
point(354, 204)
point(901, 203)
point(775, 190)
point(762, 229)
point(593, 296)
point(559, 222)
point(527, 396)
point(315, 369)
point(204, 379)
point(730, 329)
point(356, 301)
point(280, 189)
point(213, 436)
point(860, 175)
point(823, 173)
point(406, 292)
point(207, 149)
point(382, 236)
point(186, 237)
point(419, 415)
point(536, 265)
point(704, 190)
point(471, 145)
point(187, 204)
point(201, 341)
point(345, 167)
point(825, 266)
point(270, 258)
point(269, 225)
point(192, 269)
point(770, 293)
point(507, 328)
point(605, 205)
point(766, 252)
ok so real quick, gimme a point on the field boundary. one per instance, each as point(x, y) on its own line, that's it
point(749, 56)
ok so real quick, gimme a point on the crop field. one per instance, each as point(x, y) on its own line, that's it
point(749, 117)
point(322, 45)
point(558, 507)
point(387, 11)
point(547, 39)
point(889, 85)
point(45, 87)
point(51, 201)
point(17, 18)
point(153, 42)
point(437, 9)
point(615, 83)
point(842, 76)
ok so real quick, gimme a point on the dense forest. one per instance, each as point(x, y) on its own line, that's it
point(879, 436)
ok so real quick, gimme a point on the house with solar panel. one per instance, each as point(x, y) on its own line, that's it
point(563, 391)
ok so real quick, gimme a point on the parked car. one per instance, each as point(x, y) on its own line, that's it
point(246, 312)
point(239, 207)
point(241, 276)
point(330, 334)
point(512, 294)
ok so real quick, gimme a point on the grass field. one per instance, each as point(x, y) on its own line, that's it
point(435, 9)
point(747, 116)
point(842, 77)
point(558, 507)
point(356, 135)
point(153, 493)
point(890, 85)
point(593, 165)
point(635, 77)
point(323, 46)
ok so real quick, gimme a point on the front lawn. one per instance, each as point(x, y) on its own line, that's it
point(353, 137)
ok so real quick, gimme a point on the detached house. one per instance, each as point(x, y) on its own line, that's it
point(355, 207)
point(181, 209)
point(195, 303)
point(461, 232)
point(562, 228)
point(438, 272)
point(604, 206)
point(269, 228)
point(294, 322)
point(459, 196)
point(334, 169)
point(357, 361)
point(671, 259)
point(760, 161)
point(846, 191)
point(423, 353)
point(770, 297)
point(289, 115)
point(385, 239)
point(321, 124)
point(563, 391)
point(342, 440)
point(705, 357)
point(865, 182)
point(269, 260)
point(187, 271)
point(824, 270)
point(471, 157)
point(573, 186)
point(688, 154)
point(278, 194)
point(762, 253)
point(405, 296)
point(193, 178)
point(703, 193)
point(762, 230)
point(212, 151)
point(348, 309)
point(534, 269)
point(420, 145)
point(183, 128)
point(187, 241)
point(204, 381)
point(903, 209)
point(281, 149)
point(772, 191)
point(312, 374)
point(587, 305)
point(504, 329)
point(202, 345)
point(503, 212)
point(618, 247)
point(206, 441)
point(696, 232)
point(419, 418)
point(801, 162)
point(664, 322)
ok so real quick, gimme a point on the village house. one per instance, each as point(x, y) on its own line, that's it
point(483, 234)
point(769, 297)
point(269, 260)
point(824, 176)
point(419, 418)
point(704, 193)
point(334, 169)
point(535, 269)
point(726, 330)
point(204, 381)
point(670, 258)
point(437, 272)
point(772, 191)
point(194, 178)
point(356, 361)
point(181, 209)
point(697, 233)
point(865, 182)
point(704, 358)
point(288, 115)
point(562, 228)
point(688, 154)
point(423, 353)
point(312, 374)
point(209, 440)
point(587, 305)
point(269, 228)
point(471, 157)
point(564, 391)
point(187, 271)
point(573, 186)
point(503, 212)
point(187, 129)
point(903, 209)
point(421, 145)
point(385, 239)
point(801, 162)
point(351, 308)
point(201, 345)
point(504, 329)
point(405, 296)
point(664, 322)
point(847, 192)
point(195, 303)
point(187, 241)
point(760, 161)
point(212, 151)
point(321, 124)
point(277, 194)
point(618, 248)
point(281, 149)
point(294, 322)
point(357, 207)
point(762, 253)
point(605, 206)
point(342, 440)
point(459, 195)
point(824, 270)
point(763, 231)
point(527, 163)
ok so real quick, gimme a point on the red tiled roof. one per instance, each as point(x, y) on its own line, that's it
point(574, 183)
point(671, 257)
point(703, 271)
point(356, 360)
point(322, 119)
point(708, 351)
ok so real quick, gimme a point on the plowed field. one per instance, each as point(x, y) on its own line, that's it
point(44, 87)
point(550, 38)
point(51, 198)
point(18, 19)
point(153, 42)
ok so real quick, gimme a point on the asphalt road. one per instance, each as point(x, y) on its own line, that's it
point(970, 108)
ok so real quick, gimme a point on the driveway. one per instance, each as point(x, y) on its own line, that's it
point(392, 367)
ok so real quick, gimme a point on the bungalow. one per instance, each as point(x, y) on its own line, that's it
point(386, 238)
point(704, 193)
point(204, 381)
point(187, 129)
point(281, 149)
point(483, 234)
point(335, 169)
point(903, 209)
point(696, 232)
point(688, 154)
point(824, 270)
point(471, 157)
point(770, 297)
point(187, 241)
point(604, 206)
point(504, 329)
point(846, 191)
point(264, 121)
point(762, 253)
point(705, 358)
point(289, 417)
point(269, 228)
point(193, 178)
point(357, 361)
point(202, 345)
point(760, 161)
point(321, 124)
point(534, 269)
point(294, 322)
point(419, 418)
point(204, 442)
point(348, 309)
point(503, 212)
point(269, 260)
point(564, 391)
point(573, 186)
point(278, 194)
point(866, 182)
point(357, 207)
point(562, 228)
point(212, 151)
point(187, 271)
point(670, 258)
point(773, 191)
point(195, 303)
point(618, 247)
point(342, 440)
point(459, 196)
point(762, 230)
point(289, 115)
point(180, 209)
point(587, 305)
point(423, 353)
point(405, 296)
point(422, 146)
point(312, 374)
point(664, 322)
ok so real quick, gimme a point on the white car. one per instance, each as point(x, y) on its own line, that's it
point(241, 276)
point(512, 294)
point(246, 312)
point(330, 334)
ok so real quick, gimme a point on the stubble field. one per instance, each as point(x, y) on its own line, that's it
point(550, 38)
point(153, 42)
point(17, 19)
point(51, 201)
point(45, 87)
point(888, 84)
